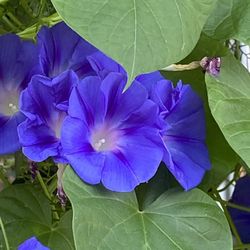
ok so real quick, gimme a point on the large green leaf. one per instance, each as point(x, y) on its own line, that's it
point(177, 220)
point(142, 35)
point(223, 158)
point(230, 19)
point(26, 212)
point(229, 100)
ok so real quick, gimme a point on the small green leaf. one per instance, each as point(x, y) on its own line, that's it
point(230, 19)
point(26, 212)
point(177, 220)
point(229, 101)
point(142, 35)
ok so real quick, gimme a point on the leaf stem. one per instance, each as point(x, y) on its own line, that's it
point(4, 235)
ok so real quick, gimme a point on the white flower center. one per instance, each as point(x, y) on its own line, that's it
point(9, 102)
point(104, 139)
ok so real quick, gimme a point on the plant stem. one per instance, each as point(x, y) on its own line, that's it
point(229, 219)
point(244, 246)
point(242, 208)
point(4, 234)
point(47, 193)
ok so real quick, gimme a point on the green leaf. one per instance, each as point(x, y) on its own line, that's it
point(26, 212)
point(230, 19)
point(223, 158)
point(177, 220)
point(229, 100)
point(142, 35)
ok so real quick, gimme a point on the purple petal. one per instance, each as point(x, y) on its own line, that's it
point(45, 98)
point(61, 88)
point(18, 62)
point(162, 94)
point(136, 162)
point(130, 101)
point(9, 141)
point(146, 115)
point(149, 79)
point(241, 218)
point(87, 102)
point(62, 49)
point(103, 65)
point(187, 160)
point(75, 136)
point(187, 103)
point(37, 99)
point(112, 87)
point(192, 126)
point(87, 165)
point(84, 160)
point(32, 244)
point(38, 140)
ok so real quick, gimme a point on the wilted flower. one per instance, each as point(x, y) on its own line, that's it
point(45, 102)
point(182, 125)
point(60, 191)
point(18, 62)
point(109, 136)
point(211, 65)
point(32, 244)
point(241, 218)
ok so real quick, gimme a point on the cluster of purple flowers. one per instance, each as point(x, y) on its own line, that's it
point(62, 98)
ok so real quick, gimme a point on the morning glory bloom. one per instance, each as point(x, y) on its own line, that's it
point(109, 135)
point(182, 125)
point(44, 103)
point(18, 62)
point(241, 218)
point(32, 244)
point(61, 49)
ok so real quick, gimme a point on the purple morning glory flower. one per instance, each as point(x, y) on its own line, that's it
point(45, 102)
point(182, 125)
point(61, 49)
point(241, 218)
point(109, 136)
point(18, 62)
point(32, 244)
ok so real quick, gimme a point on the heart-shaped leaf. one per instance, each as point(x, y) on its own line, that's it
point(142, 35)
point(177, 220)
point(229, 101)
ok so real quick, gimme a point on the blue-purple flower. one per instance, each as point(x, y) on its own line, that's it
point(18, 62)
point(32, 244)
point(45, 103)
point(241, 218)
point(109, 136)
point(182, 125)
point(61, 49)
point(65, 58)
